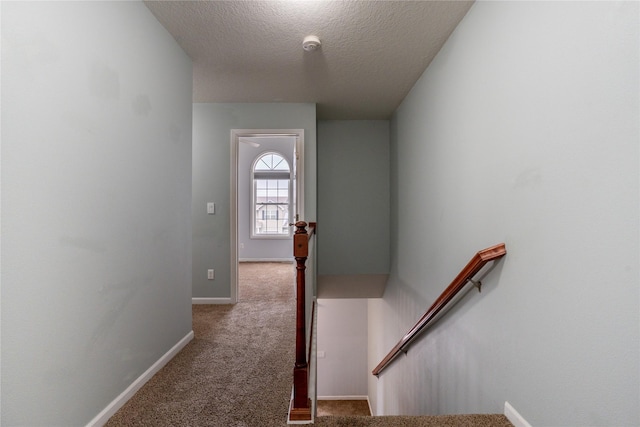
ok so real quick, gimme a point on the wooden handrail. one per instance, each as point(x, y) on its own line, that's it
point(300, 409)
point(471, 269)
point(312, 229)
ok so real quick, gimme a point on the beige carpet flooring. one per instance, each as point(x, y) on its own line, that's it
point(237, 371)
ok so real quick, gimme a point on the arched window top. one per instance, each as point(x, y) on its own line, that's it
point(271, 162)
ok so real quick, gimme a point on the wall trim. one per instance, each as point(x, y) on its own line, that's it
point(233, 191)
point(102, 418)
point(211, 301)
point(287, 260)
point(512, 415)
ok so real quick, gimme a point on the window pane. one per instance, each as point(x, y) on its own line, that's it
point(271, 202)
point(281, 165)
point(270, 162)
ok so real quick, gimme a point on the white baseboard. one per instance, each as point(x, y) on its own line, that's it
point(102, 418)
point(211, 301)
point(287, 260)
point(512, 415)
point(343, 397)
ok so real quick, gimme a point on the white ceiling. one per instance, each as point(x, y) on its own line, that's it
point(251, 51)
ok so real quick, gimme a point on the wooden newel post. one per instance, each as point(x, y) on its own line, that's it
point(301, 409)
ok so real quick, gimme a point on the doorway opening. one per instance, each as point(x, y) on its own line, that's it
point(264, 198)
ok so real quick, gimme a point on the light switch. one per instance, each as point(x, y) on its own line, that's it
point(211, 208)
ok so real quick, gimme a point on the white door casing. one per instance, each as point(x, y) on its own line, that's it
point(298, 182)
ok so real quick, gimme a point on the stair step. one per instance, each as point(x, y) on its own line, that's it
point(472, 420)
point(342, 407)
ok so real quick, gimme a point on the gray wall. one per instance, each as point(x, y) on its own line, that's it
point(212, 124)
point(260, 249)
point(524, 129)
point(96, 189)
point(353, 204)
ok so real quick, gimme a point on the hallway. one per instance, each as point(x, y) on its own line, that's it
point(237, 371)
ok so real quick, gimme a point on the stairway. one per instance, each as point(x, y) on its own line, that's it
point(475, 420)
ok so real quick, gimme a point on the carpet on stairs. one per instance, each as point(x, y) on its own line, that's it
point(342, 407)
point(473, 420)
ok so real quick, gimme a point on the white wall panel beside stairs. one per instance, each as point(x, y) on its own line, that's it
point(342, 347)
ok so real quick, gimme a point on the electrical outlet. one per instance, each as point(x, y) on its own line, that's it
point(321, 354)
point(241, 245)
point(211, 208)
point(211, 274)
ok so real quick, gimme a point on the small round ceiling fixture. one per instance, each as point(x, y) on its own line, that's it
point(311, 43)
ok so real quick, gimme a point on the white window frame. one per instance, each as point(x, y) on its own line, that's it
point(253, 209)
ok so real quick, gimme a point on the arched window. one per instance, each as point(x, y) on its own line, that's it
point(271, 177)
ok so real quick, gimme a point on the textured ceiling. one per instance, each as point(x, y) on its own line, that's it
point(251, 51)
